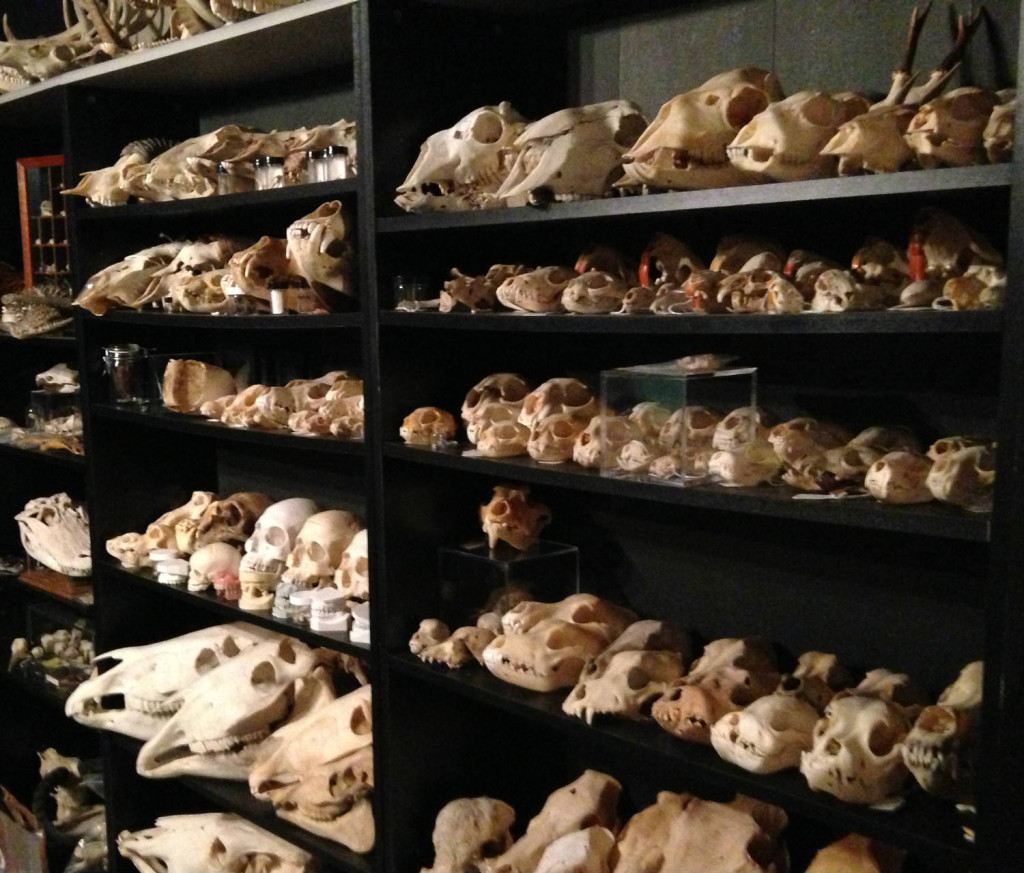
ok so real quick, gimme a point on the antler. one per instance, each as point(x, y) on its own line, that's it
point(938, 77)
point(903, 76)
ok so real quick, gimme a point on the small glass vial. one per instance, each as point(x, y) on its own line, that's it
point(232, 180)
point(335, 162)
point(269, 173)
point(315, 166)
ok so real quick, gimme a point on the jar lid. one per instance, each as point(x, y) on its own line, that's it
point(336, 150)
point(315, 154)
point(268, 161)
point(126, 350)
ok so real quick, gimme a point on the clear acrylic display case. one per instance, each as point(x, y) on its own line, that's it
point(472, 577)
point(660, 418)
point(50, 413)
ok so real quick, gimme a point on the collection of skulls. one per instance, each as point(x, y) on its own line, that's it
point(54, 424)
point(736, 128)
point(239, 702)
point(562, 421)
point(858, 742)
point(102, 29)
point(311, 269)
point(946, 265)
point(62, 656)
point(302, 563)
point(76, 788)
point(330, 404)
point(156, 170)
point(55, 532)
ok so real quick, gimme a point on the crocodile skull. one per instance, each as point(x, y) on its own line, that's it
point(55, 531)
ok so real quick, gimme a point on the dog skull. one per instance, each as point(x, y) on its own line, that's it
point(766, 736)
point(625, 685)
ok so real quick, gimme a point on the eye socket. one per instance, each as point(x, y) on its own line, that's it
point(487, 128)
point(637, 678)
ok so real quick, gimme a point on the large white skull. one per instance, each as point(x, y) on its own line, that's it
point(318, 547)
point(273, 537)
point(856, 754)
point(126, 280)
point(685, 145)
point(227, 713)
point(731, 674)
point(940, 748)
point(784, 142)
point(318, 772)
point(766, 736)
point(588, 801)
point(214, 841)
point(873, 141)
point(948, 131)
point(207, 561)
point(625, 685)
point(469, 830)
point(463, 167)
point(352, 577)
point(320, 251)
point(574, 153)
point(149, 681)
point(55, 531)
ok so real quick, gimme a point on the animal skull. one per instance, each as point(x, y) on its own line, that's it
point(230, 520)
point(601, 440)
point(352, 577)
point(320, 251)
point(965, 477)
point(208, 561)
point(582, 608)
point(856, 852)
point(463, 167)
point(468, 831)
point(856, 755)
point(428, 426)
point(873, 142)
point(539, 290)
point(998, 133)
point(549, 656)
point(464, 646)
point(768, 735)
point(552, 439)
point(948, 131)
point(513, 517)
point(625, 685)
point(899, 477)
point(840, 291)
point(124, 281)
point(506, 390)
point(585, 851)
point(55, 531)
point(593, 293)
point(502, 438)
point(558, 396)
point(318, 548)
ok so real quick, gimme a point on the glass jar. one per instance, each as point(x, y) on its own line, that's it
point(335, 163)
point(124, 366)
point(269, 173)
point(315, 166)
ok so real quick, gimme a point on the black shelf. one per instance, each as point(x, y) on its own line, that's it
point(76, 605)
point(189, 320)
point(887, 185)
point(56, 457)
point(234, 796)
point(45, 340)
point(300, 197)
point(881, 322)
point(164, 419)
point(229, 611)
point(924, 824)
point(932, 520)
point(38, 691)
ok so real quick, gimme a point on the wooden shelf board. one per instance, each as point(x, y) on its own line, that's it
point(862, 512)
point(229, 610)
point(163, 418)
point(925, 824)
point(882, 322)
point(838, 189)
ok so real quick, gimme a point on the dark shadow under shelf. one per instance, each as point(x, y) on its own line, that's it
point(886, 185)
point(9, 452)
point(45, 340)
point(925, 824)
point(302, 197)
point(933, 520)
point(234, 796)
point(881, 322)
point(189, 320)
point(79, 606)
point(229, 611)
point(38, 691)
point(165, 419)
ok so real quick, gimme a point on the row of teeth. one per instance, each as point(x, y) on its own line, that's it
point(153, 707)
point(225, 745)
point(928, 756)
point(517, 666)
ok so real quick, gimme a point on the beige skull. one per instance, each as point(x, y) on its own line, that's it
point(513, 517)
point(537, 291)
point(948, 131)
point(318, 548)
point(320, 251)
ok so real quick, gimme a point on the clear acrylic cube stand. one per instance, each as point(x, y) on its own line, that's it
point(470, 575)
point(662, 448)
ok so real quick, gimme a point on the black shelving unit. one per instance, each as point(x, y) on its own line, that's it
point(917, 589)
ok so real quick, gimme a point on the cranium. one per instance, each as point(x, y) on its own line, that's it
point(463, 647)
point(965, 477)
point(948, 131)
point(553, 438)
point(463, 167)
point(625, 686)
point(55, 531)
point(352, 577)
point(501, 438)
point(513, 517)
point(188, 384)
point(690, 426)
point(729, 675)
point(856, 852)
point(253, 269)
point(574, 153)
point(503, 389)
point(873, 141)
point(298, 142)
point(593, 293)
point(886, 438)
point(744, 425)
point(648, 418)
point(784, 142)
point(228, 713)
point(318, 548)
point(204, 255)
point(539, 290)
point(782, 297)
point(636, 300)
point(320, 251)
point(550, 655)
point(126, 280)
point(751, 464)
point(667, 260)
point(998, 134)
point(209, 560)
point(735, 252)
point(766, 736)
point(942, 447)
point(210, 841)
point(899, 477)
point(940, 748)
point(878, 262)
point(319, 771)
point(468, 831)
point(981, 287)
point(129, 549)
point(601, 440)
point(430, 632)
point(856, 753)
point(428, 426)
point(24, 61)
point(635, 456)
point(818, 676)
point(231, 520)
point(943, 247)
point(685, 145)
point(151, 681)
point(109, 186)
point(588, 801)
point(558, 396)
point(840, 291)
point(476, 293)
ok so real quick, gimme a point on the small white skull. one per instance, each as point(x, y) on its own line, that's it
point(209, 560)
